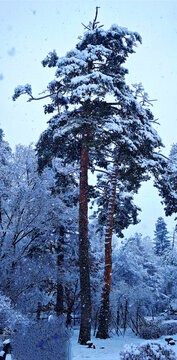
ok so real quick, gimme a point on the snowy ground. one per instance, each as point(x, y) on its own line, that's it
point(109, 349)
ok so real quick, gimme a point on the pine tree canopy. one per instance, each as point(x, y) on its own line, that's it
point(90, 96)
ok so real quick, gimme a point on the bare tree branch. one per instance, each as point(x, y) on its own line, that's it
point(165, 157)
point(85, 27)
point(103, 171)
point(25, 248)
point(41, 97)
point(95, 20)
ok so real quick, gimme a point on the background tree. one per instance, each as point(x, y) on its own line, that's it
point(123, 214)
point(31, 241)
point(161, 239)
point(138, 288)
point(167, 183)
point(24, 215)
point(5, 159)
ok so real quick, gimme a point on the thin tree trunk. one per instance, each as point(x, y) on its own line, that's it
point(85, 326)
point(125, 315)
point(174, 236)
point(39, 310)
point(104, 311)
point(74, 319)
point(59, 308)
point(1, 240)
point(70, 301)
point(95, 325)
point(137, 320)
point(69, 318)
point(118, 319)
point(0, 211)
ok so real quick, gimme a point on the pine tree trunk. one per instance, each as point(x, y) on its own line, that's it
point(103, 327)
point(59, 308)
point(85, 326)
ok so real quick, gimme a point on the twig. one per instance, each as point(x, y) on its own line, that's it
point(40, 98)
point(86, 27)
point(94, 21)
point(103, 171)
point(165, 157)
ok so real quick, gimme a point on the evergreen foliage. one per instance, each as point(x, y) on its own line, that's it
point(88, 75)
point(161, 239)
point(167, 183)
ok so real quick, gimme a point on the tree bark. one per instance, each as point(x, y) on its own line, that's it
point(125, 316)
point(59, 308)
point(103, 327)
point(39, 310)
point(70, 301)
point(85, 326)
point(118, 319)
point(0, 211)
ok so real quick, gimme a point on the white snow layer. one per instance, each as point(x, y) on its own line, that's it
point(109, 349)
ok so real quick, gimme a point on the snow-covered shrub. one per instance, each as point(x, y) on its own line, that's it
point(43, 339)
point(150, 331)
point(9, 318)
point(173, 306)
point(169, 328)
point(153, 330)
point(146, 351)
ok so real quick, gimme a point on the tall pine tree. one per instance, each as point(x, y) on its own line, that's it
point(161, 239)
point(87, 128)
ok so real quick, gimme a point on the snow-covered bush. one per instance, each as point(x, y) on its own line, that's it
point(146, 351)
point(169, 328)
point(9, 318)
point(173, 306)
point(153, 330)
point(43, 339)
point(150, 331)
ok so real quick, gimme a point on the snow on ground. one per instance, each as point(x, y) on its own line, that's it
point(109, 349)
point(8, 357)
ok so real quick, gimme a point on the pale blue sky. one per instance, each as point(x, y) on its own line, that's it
point(30, 29)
